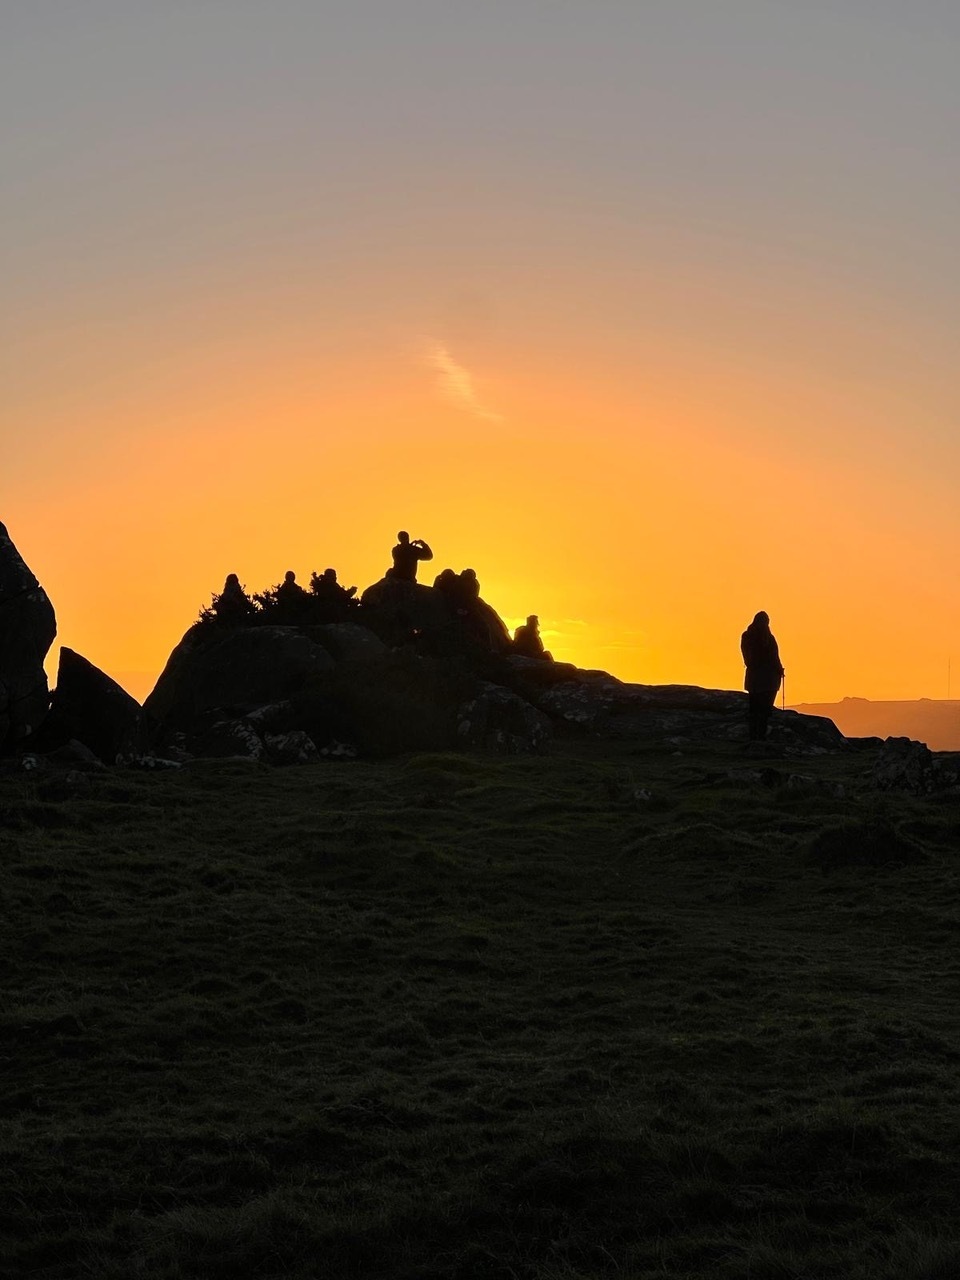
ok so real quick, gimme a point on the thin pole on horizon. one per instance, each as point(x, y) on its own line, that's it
point(949, 660)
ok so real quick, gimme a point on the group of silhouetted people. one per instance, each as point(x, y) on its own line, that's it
point(461, 592)
point(460, 589)
point(286, 604)
point(327, 600)
point(761, 656)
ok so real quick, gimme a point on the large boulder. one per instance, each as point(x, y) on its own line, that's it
point(220, 740)
point(905, 765)
point(404, 702)
point(27, 630)
point(347, 642)
point(88, 707)
point(295, 747)
point(234, 670)
point(499, 720)
point(401, 612)
point(489, 627)
point(235, 690)
point(406, 612)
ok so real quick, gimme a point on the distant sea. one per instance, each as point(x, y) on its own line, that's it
point(933, 721)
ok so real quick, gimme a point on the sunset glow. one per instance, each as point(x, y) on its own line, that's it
point(653, 332)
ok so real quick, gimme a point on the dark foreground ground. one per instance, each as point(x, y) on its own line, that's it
point(595, 1015)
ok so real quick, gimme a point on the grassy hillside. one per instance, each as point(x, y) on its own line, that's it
point(604, 1014)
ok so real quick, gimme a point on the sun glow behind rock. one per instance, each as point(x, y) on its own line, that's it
point(689, 296)
point(644, 526)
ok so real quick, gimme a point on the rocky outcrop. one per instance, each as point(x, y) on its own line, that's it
point(399, 612)
point(489, 628)
point(218, 740)
point(407, 612)
point(247, 692)
point(597, 703)
point(905, 765)
point(88, 707)
point(288, 694)
point(234, 670)
point(27, 630)
point(295, 747)
point(499, 720)
point(346, 642)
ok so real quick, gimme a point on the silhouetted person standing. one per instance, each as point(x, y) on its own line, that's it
point(407, 554)
point(527, 642)
point(763, 675)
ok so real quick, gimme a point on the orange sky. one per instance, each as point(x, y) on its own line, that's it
point(651, 321)
point(645, 519)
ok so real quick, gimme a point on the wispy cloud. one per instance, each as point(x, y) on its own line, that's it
point(455, 383)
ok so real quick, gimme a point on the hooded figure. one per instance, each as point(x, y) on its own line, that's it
point(232, 606)
point(764, 672)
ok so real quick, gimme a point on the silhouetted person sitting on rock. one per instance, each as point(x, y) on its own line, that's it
point(406, 555)
point(763, 675)
point(475, 623)
point(291, 597)
point(470, 607)
point(469, 586)
point(329, 601)
point(461, 589)
point(232, 606)
point(527, 642)
point(326, 588)
point(447, 582)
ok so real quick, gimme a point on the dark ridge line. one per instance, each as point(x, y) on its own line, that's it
point(25, 592)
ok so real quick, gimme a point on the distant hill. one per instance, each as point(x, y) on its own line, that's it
point(933, 721)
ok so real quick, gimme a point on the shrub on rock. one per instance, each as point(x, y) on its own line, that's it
point(235, 670)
